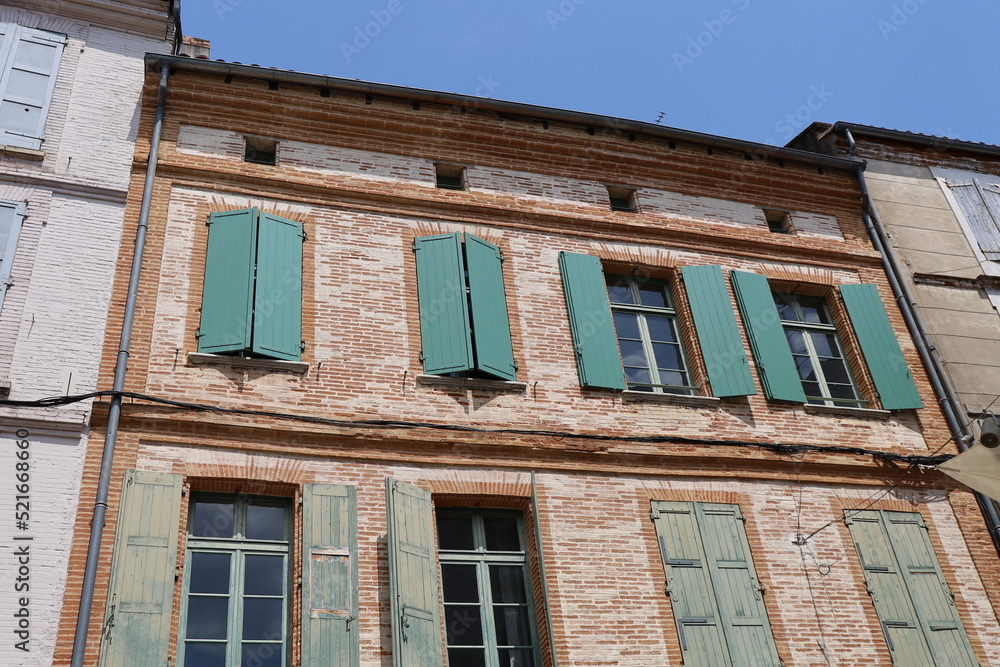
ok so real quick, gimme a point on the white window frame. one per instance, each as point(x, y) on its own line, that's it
point(11, 35)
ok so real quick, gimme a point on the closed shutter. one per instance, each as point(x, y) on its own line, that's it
point(141, 586)
point(413, 580)
point(445, 335)
point(330, 572)
point(277, 313)
point(490, 323)
point(227, 301)
point(770, 349)
point(597, 358)
point(31, 61)
point(878, 342)
point(981, 206)
point(718, 335)
point(11, 217)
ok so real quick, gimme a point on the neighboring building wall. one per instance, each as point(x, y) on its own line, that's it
point(54, 311)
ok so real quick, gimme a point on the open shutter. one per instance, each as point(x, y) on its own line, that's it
point(227, 300)
point(689, 585)
point(277, 313)
point(413, 580)
point(490, 323)
point(718, 335)
point(11, 217)
point(597, 358)
point(141, 586)
point(878, 342)
point(888, 590)
point(31, 62)
point(330, 574)
point(445, 335)
point(774, 360)
point(981, 206)
point(738, 591)
point(932, 599)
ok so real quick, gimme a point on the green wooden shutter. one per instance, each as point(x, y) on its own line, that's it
point(689, 585)
point(413, 580)
point(878, 342)
point(330, 576)
point(737, 589)
point(932, 599)
point(227, 300)
point(718, 335)
point(141, 586)
point(445, 336)
point(774, 360)
point(277, 314)
point(490, 323)
point(597, 357)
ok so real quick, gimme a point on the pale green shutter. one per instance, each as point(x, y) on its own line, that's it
point(277, 314)
point(718, 335)
point(774, 360)
point(597, 358)
point(413, 580)
point(445, 336)
point(490, 323)
point(143, 564)
point(227, 300)
point(932, 599)
point(689, 585)
point(878, 342)
point(330, 576)
point(737, 589)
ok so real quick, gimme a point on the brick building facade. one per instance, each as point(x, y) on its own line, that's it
point(418, 375)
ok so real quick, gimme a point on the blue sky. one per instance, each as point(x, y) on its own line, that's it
point(749, 69)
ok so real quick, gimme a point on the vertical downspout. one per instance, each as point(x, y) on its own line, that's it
point(541, 568)
point(947, 397)
point(114, 413)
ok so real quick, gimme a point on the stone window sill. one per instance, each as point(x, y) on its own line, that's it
point(844, 411)
point(21, 152)
point(280, 365)
point(472, 383)
point(630, 396)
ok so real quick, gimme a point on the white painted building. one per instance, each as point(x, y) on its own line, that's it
point(71, 76)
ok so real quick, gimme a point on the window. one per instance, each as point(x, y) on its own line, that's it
point(236, 588)
point(488, 608)
point(622, 199)
point(714, 592)
point(11, 217)
point(449, 176)
point(980, 203)
point(816, 349)
point(914, 604)
point(777, 221)
point(464, 327)
point(29, 60)
point(648, 341)
point(260, 151)
point(252, 299)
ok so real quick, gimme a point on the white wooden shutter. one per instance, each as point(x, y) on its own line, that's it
point(30, 63)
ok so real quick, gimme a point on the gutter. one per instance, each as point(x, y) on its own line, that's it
point(121, 366)
point(943, 388)
point(610, 123)
point(937, 143)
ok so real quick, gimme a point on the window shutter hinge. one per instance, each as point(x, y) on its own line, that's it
point(421, 357)
point(198, 333)
point(415, 246)
point(302, 345)
point(177, 574)
point(515, 365)
point(298, 581)
point(668, 589)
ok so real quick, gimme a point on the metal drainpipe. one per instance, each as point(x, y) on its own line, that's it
point(114, 413)
point(947, 397)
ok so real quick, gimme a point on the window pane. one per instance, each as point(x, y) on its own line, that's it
point(673, 378)
point(632, 353)
point(455, 532)
point(811, 389)
point(661, 329)
point(262, 618)
point(264, 575)
point(842, 391)
point(653, 294)
point(796, 342)
point(265, 522)
point(507, 583)
point(261, 655)
point(805, 368)
point(516, 658)
point(197, 654)
point(825, 344)
point(813, 310)
point(668, 357)
point(465, 657)
point(786, 310)
point(463, 625)
point(512, 626)
point(460, 583)
point(618, 290)
point(209, 573)
point(835, 371)
point(501, 533)
point(212, 519)
point(637, 375)
point(627, 325)
point(207, 618)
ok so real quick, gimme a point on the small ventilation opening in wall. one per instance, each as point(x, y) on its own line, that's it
point(621, 199)
point(777, 221)
point(260, 151)
point(450, 176)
